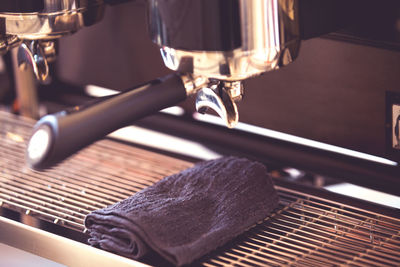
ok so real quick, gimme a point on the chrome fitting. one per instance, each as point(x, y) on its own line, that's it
point(193, 83)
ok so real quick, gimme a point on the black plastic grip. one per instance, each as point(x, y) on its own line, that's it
point(57, 136)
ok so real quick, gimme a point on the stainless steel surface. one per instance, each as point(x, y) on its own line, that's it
point(234, 90)
point(57, 18)
point(7, 43)
point(221, 97)
point(11, 256)
point(34, 34)
point(56, 248)
point(220, 102)
point(270, 40)
point(193, 83)
point(34, 55)
point(25, 85)
point(305, 230)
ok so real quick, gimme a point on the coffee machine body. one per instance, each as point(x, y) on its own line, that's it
point(225, 40)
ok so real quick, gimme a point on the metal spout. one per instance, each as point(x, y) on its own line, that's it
point(221, 97)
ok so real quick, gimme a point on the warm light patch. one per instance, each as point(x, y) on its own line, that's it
point(15, 137)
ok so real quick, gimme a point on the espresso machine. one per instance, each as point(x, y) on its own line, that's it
point(213, 56)
point(211, 52)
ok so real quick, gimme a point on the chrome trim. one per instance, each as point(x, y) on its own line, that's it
point(58, 18)
point(25, 84)
point(221, 97)
point(193, 83)
point(270, 39)
point(35, 32)
point(32, 53)
point(57, 248)
point(220, 102)
point(7, 43)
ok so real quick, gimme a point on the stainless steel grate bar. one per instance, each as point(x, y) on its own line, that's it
point(356, 238)
point(75, 177)
point(297, 242)
point(318, 238)
point(355, 211)
point(310, 206)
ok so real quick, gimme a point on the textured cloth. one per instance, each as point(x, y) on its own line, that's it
point(186, 215)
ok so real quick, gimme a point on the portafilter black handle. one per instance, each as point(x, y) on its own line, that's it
point(57, 136)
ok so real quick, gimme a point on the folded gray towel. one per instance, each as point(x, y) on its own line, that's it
point(186, 215)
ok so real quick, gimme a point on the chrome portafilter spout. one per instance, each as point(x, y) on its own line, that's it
point(221, 96)
point(37, 54)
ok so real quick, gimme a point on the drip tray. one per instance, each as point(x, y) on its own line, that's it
point(306, 229)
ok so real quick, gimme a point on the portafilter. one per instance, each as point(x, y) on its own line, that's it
point(212, 45)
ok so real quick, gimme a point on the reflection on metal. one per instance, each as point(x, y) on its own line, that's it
point(270, 40)
point(15, 137)
point(365, 193)
point(34, 34)
point(30, 60)
point(57, 248)
point(7, 43)
point(218, 96)
point(11, 256)
point(29, 220)
point(220, 101)
point(35, 55)
point(297, 140)
point(193, 83)
point(25, 85)
point(165, 142)
point(56, 19)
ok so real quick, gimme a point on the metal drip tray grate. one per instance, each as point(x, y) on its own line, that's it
point(310, 231)
point(96, 177)
point(305, 230)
